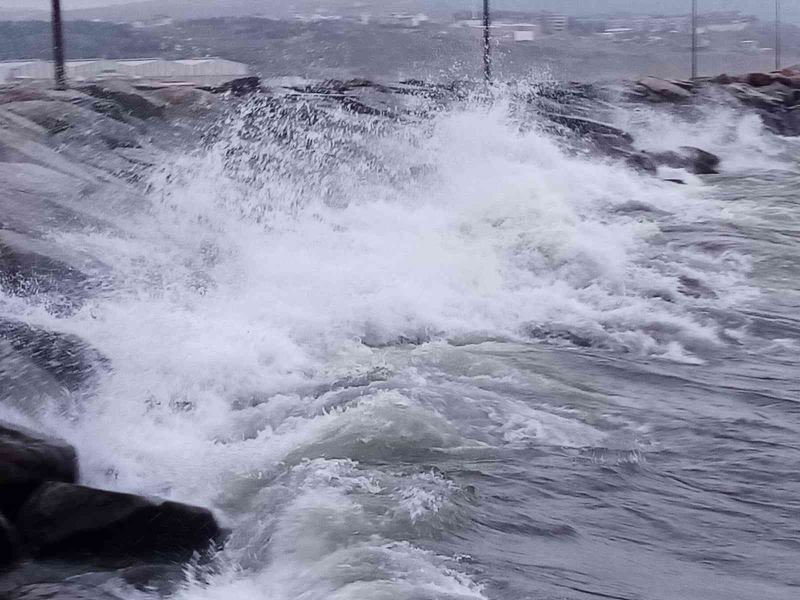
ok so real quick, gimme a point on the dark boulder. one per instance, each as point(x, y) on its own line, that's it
point(132, 102)
point(723, 79)
point(238, 87)
point(663, 90)
point(74, 123)
point(9, 543)
point(68, 520)
point(60, 591)
point(67, 359)
point(759, 79)
point(27, 459)
point(754, 98)
point(641, 161)
point(33, 267)
point(692, 159)
point(596, 130)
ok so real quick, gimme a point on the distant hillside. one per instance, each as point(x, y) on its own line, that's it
point(31, 39)
point(8, 14)
point(201, 9)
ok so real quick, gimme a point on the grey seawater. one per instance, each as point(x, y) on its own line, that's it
point(451, 359)
point(694, 493)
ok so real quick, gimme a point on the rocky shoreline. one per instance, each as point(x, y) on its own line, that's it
point(75, 161)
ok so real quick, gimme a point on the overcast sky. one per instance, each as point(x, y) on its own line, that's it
point(763, 8)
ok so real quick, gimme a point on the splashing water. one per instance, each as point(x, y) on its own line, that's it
point(316, 309)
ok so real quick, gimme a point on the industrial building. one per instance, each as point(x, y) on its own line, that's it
point(200, 71)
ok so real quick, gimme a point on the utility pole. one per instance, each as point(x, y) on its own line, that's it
point(778, 35)
point(58, 47)
point(487, 42)
point(694, 40)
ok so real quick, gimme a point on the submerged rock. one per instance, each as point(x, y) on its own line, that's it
point(63, 519)
point(28, 459)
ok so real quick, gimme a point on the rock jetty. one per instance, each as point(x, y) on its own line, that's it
point(73, 161)
point(774, 96)
point(46, 514)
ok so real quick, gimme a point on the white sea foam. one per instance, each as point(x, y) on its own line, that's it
point(739, 138)
point(243, 291)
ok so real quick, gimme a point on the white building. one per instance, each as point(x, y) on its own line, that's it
point(556, 23)
point(202, 71)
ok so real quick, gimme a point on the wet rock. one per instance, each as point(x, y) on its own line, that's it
point(238, 87)
point(789, 80)
point(692, 159)
point(723, 79)
point(641, 161)
point(27, 459)
point(20, 147)
point(131, 101)
point(752, 97)
point(60, 591)
point(663, 90)
point(9, 542)
point(64, 519)
point(29, 266)
point(67, 359)
point(594, 129)
point(183, 97)
point(74, 123)
point(758, 79)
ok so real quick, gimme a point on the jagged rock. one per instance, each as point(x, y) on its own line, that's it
point(590, 127)
point(67, 520)
point(60, 591)
point(238, 87)
point(183, 96)
point(662, 89)
point(30, 266)
point(21, 147)
point(13, 122)
point(27, 459)
point(692, 159)
point(758, 79)
point(9, 542)
point(752, 97)
point(641, 161)
point(133, 102)
point(74, 123)
point(67, 359)
point(723, 79)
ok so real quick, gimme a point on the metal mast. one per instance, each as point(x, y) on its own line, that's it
point(694, 39)
point(487, 42)
point(778, 35)
point(58, 47)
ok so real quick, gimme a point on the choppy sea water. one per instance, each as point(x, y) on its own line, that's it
point(450, 358)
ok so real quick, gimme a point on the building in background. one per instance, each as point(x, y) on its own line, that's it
point(199, 71)
point(555, 23)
